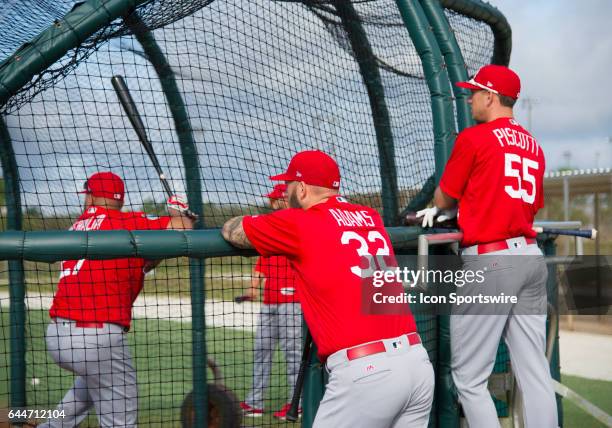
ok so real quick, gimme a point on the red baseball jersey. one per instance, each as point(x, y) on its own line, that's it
point(496, 172)
point(334, 248)
point(103, 290)
point(279, 279)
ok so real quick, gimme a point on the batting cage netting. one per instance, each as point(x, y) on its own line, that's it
point(255, 82)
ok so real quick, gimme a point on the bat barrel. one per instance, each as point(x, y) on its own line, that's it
point(129, 106)
point(582, 233)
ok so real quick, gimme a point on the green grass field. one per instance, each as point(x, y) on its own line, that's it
point(597, 392)
point(162, 353)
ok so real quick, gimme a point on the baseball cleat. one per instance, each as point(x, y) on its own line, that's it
point(282, 413)
point(249, 411)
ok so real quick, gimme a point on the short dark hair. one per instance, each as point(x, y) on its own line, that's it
point(507, 101)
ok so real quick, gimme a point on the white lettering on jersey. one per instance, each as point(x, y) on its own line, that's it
point(513, 137)
point(92, 223)
point(352, 218)
point(500, 135)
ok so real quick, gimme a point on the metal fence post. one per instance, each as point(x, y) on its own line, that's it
point(189, 155)
point(16, 272)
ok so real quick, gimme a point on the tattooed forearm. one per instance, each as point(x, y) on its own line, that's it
point(234, 233)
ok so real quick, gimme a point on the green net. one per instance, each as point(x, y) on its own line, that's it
point(260, 81)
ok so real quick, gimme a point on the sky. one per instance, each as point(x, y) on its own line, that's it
point(562, 50)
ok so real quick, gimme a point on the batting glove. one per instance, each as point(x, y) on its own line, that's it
point(428, 215)
point(178, 203)
point(434, 213)
point(446, 215)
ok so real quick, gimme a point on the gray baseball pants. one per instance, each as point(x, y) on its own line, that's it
point(280, 323)
point(475, 336)
point(390, 389)
point(106, 378)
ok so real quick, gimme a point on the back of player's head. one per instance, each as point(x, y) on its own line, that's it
point(312, 167)
point(105, 185)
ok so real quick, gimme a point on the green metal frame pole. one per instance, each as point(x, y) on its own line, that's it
point(550, 249)
point(370, 73)
point(437, 80)
point(447, 406)
point(16, 272)
point(502, 47)
point(453, 58)
point(52, 44)
point(484, 12)
point(189, 155)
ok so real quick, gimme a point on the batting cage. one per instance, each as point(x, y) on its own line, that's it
point(226, 92)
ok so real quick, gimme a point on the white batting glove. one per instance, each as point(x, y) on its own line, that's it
point(428, 215)
point(446, 215)
point(178, 203)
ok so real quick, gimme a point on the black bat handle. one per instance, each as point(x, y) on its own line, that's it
point(292, 414)
point(129, 106)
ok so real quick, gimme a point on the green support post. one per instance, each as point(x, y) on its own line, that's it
point(484, 12)
point(448, 406)
point(17, 312)
point(437, 80)
point(314, 385)
point(549, 249)
point(370, 73)
point(51, 45)
point(502, 47)
point(189, 154)
point(453, 59)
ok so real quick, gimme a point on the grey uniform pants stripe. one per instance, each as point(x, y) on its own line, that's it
point(475, 338)
point(106, 378)
point(282, 324)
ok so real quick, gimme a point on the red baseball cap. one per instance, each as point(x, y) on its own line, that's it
point(279, 191)
point(312, 167)
point(495, 78)
point(105, 185)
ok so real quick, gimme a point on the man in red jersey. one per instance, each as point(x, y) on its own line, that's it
point(280, 320)
point(495, 176)
point(92, 310)
point(380, 374)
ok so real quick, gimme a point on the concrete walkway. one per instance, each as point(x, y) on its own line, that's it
point(586, 355)
point(160, 306)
